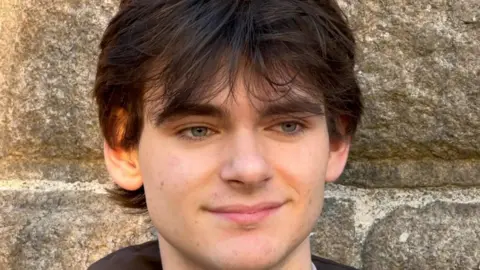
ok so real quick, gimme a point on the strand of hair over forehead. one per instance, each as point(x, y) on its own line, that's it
point(192, 49)
point(196, 42)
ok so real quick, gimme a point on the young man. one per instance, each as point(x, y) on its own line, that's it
point(224, 119)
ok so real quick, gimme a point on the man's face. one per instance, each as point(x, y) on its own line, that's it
point(238, 183)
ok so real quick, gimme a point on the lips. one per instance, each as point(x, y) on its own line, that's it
point(246, 215)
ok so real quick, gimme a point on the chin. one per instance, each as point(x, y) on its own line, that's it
point(248, 261)
point(249, 253)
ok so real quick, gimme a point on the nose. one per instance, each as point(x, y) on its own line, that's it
point(246, 164)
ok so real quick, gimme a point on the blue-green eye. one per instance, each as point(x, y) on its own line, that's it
point(289, 127)
point(195, 133)
point(198, 131)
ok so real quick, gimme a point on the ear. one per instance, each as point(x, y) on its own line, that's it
point(123, 167)
point(339, 149)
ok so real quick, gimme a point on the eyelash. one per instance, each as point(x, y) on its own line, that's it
point(301, 126)
point(181, 134)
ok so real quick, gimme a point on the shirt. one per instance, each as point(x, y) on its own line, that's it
point(147, 257)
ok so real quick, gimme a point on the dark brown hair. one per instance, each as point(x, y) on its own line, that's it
point(191, 49)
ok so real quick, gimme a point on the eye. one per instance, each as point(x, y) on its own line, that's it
point(289, 127)
point(195, 133)
point(198, 131)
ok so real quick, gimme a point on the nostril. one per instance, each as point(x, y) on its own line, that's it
point(237, 182)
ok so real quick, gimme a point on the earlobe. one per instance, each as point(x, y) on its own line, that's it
point(123, 167)
point(339, 150)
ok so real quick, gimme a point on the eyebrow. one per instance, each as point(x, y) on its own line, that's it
point(191, 109)
point(276, 108)
point(285, 107)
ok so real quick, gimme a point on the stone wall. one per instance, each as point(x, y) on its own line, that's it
point(410, 198)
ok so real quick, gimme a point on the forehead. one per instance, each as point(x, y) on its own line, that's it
point(222, 92)
point(228, 104)
point(256, 98)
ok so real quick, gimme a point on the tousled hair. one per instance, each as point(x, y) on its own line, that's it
point(192, 49)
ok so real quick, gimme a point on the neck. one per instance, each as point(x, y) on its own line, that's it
point(173, 259)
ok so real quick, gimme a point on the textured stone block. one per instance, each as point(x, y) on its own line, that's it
point(54, 170)
point(334, 234)
point(48, 69)
point(466, 11)
point(63, 230)
point(411, 173)
point(438, 236)
point(8, 32)
point(420, 71)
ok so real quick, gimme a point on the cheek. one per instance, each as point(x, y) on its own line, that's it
point(303, 172)
point(303, 165)
point(168, 191)
point(165, 173)
point(174, 177)
point(302, 168)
